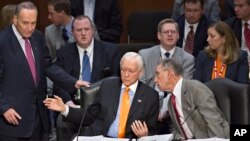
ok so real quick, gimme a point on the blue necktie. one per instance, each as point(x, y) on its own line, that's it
point(86, 74)
point(65, 35)
point(167, 54)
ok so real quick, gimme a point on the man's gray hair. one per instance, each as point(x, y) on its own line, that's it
point(25, 5)
point(133, 55)
point(172, 65)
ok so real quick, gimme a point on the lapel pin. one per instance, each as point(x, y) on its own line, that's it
point(139, 100)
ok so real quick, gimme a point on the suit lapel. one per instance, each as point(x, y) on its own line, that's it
point(115, 96)
point(137, 101)
point(181, 34)
point(19, 54)
point(36, 57)
point(155, 59)
point(209, 68)
point(75, 60)
point(97, 60)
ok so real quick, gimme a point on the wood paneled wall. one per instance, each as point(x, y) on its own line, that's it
point(127, 7)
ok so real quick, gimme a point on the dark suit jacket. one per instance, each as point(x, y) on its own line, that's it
point(107, 18)
point(236, 26)
point(102, 112)
point(236, 71)
point(200, 37)
point(106, 59)
point(17, 88)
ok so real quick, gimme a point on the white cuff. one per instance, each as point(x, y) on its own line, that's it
point(66, 112)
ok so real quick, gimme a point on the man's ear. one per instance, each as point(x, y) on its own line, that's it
point(15, 19)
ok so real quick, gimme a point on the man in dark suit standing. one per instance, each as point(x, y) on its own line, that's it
point(193, 27)
point(24, 63)
point(104, 13)
point(104, 115)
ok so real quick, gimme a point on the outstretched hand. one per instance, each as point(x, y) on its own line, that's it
point(55, 104)
point(80, 83)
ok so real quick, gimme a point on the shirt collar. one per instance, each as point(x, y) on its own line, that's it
point(243, 22)
point(163, 51)
point(18, 35)
point(177, 88)
point(89, 49)
point(187, 26)
point(132, 87)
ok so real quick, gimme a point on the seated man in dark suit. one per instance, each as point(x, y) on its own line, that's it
point(193, 27)
point(103, 59)
point(104, 13)
point(241, 23)
point(120, 105)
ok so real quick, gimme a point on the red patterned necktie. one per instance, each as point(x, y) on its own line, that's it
point(30, 58)
point(189, 43)
point(247, 35)
point(173, 101)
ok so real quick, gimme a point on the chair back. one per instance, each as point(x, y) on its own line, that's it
point(142, 25)
point(134, 47)
point(232, 99)
point(88, 94)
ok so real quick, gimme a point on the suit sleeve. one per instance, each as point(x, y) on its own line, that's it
point(207, 107)
point(64, 94)
point(56, 73)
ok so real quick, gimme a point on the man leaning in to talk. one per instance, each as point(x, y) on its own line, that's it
point(192, 105)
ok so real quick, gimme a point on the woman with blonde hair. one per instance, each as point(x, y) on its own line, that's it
point(7, 14)
point(223, 57)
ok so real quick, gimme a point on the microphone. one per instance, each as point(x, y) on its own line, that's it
point(83, 116)
point(190, 113)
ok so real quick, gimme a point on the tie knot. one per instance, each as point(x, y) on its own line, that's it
point(25, 39)
point(191, 27)
point(85, 52)
point(246, 25)
point(127, 89)
point(167, 54)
